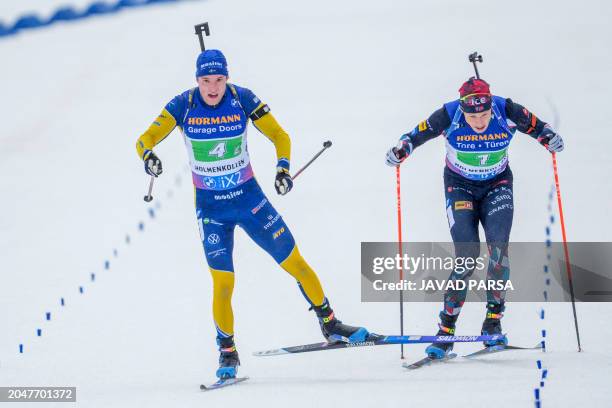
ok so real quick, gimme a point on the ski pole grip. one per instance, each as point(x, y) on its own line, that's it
point(198, 30)
point(474, 58)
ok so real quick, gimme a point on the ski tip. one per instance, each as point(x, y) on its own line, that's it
point(266, 353)
point(427, 361)
point(223, 383)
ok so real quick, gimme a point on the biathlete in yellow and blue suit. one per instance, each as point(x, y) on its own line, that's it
point(213, 119)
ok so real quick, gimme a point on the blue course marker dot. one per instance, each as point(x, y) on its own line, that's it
point(81, 290)
point(548, 243)
point(127, 239)
point(65, 14)
point(48, 315)
point(543, 333)
point(545, 268)
point(548, 231)
point(38, 332)
point(552, 219)
point(106, 265)
point(547, 281)
point(536, 393)
point(538, 404)
point(543, 345)
point(62, 302)
point(542, 314)
point(544, 374)
point(21, 348)
point(93, 277)
point(545, 295)
point(4, 30)
point(151, 213)
point(29, 21)
point(539, 364)
point(99, 7)
point(541, 384)
point(115, 253)
point(130, 3)
point(141, 226)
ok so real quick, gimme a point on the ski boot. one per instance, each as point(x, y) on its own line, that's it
point(334, 330)
point(492, 324)
point(228, 358)
point(446, 328)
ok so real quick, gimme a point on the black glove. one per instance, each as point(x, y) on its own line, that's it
point(283, 183)
point(152, 164)
point(551, 140)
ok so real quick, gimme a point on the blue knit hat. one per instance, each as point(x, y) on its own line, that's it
point(211, 62)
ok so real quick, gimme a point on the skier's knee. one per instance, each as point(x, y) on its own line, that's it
point(223, 283)
point(296, 265)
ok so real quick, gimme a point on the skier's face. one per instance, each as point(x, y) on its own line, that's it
point(479, 121)
point(212, 88)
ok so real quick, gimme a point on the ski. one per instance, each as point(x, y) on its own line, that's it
point(377, 340)
point(498, 348)
point(428, 361)
point(224, 382)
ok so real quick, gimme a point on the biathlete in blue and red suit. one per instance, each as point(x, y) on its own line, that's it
point(213, 119)
point(478, 128)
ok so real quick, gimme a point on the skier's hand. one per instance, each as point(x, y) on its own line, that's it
point(152, 164)
point(283, 182)
point(396, 155)
point(551, 140)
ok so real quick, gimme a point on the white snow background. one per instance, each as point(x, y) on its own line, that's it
point(74, 98)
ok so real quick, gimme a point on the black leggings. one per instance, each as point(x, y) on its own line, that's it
point(489, 202)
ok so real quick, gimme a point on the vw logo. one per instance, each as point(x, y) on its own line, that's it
point(213, 239)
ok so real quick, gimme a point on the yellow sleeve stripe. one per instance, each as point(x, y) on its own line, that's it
point(158, 131)
point(268, 125)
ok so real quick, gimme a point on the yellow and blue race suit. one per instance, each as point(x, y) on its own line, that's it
point(226, 191)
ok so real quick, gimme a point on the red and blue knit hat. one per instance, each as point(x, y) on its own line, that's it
point(475, 96)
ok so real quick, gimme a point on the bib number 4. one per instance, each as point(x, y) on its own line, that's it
point(219, 150)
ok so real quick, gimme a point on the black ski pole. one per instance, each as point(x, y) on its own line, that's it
point(326, 145)
point(198, 30)
point(474, 58)
point(149, 197)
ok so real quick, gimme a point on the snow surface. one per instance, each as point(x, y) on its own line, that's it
point(76, 96)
